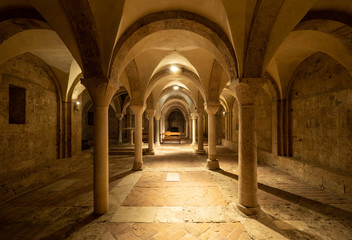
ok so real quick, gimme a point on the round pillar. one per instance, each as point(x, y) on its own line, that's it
point(157, 130)
point(193, 117)
point(138, 151)
point(247, 158)
point(119, 138)
point(200, 149)
point(212, 162)
point(101, 92)
point(151, 113)
point(101, 160)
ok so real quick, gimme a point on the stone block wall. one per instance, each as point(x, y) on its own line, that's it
point(321, 113)
point(26, 145)
point(263, 119)
point(29, 151)
point(113, 124)
point(316, 175)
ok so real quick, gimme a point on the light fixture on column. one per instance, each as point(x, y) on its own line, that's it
point(174, 69)
point(76, 105)
point(176, 87)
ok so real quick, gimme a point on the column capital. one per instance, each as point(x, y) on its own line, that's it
point(101, 90)
point(120, 115)
point(150, 112)
point(137, 109)
point(212, 107)
point(157, 116)
point(244, 93)
point(194, 115)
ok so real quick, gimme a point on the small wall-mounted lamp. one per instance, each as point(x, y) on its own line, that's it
point(76, 105)
point(224, 113)
point(176, 87)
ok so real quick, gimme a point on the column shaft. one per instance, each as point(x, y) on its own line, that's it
point(138, 151)
point(157, 132)
point(212, 162)
point(200, 149)
point(119, 140)
point(193, 130)
point(247, 149)
point(151, 113)
point(101, 160)
point(247, 158)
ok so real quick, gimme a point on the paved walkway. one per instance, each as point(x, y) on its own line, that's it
point(175, 197)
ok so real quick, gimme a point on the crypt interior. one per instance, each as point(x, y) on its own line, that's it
point(164, 119)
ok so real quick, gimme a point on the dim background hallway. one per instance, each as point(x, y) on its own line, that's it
point(199, 205)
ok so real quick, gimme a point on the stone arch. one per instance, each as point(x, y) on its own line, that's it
point(14, 21)
point(179, 20)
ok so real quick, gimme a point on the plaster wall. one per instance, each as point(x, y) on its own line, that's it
point(321, 113)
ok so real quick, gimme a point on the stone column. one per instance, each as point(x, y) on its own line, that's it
point(186, 120)
point(157, 129)
point(193, 117)
point(151, 113)
point(200, 149)
point(212, 162)
point(138, 151)
point(247, 149)
point(119, 138)
point(101, 92)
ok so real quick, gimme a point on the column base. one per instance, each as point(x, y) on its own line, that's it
point(194, 145)
point(248, 210)
point(212, 164)
point(137, 166)
point(150, 152)
point(157, 144)
point(200, 152)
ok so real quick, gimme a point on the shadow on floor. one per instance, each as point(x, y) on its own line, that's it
point(311, 204)
point(67, 230)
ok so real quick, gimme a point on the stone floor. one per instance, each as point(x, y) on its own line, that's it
point(175, 197)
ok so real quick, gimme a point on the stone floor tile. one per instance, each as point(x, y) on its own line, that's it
point(202, 205)
point(169, 214)
point(134, 214)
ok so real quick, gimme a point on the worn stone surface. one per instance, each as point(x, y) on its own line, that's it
point(290, 209)
point(28, 153)
point(321, 113)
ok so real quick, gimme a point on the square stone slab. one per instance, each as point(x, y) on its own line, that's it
point(172, 177)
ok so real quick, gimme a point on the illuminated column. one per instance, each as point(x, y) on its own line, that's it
point(186, 120)
point(200, 149)
point(212, 162)
point(157, 129)
point(194, 117)
point(247, 149)
point(151, 113)
point(138, 151)
point(101, 92)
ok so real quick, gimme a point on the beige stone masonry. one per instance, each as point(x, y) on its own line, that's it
point(247, 158)
point(138, 157)
point(212, 162)
point(151, 113)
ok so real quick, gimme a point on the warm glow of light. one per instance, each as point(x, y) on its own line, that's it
point(78, 103)
point(176, 87)
point(174, 68)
